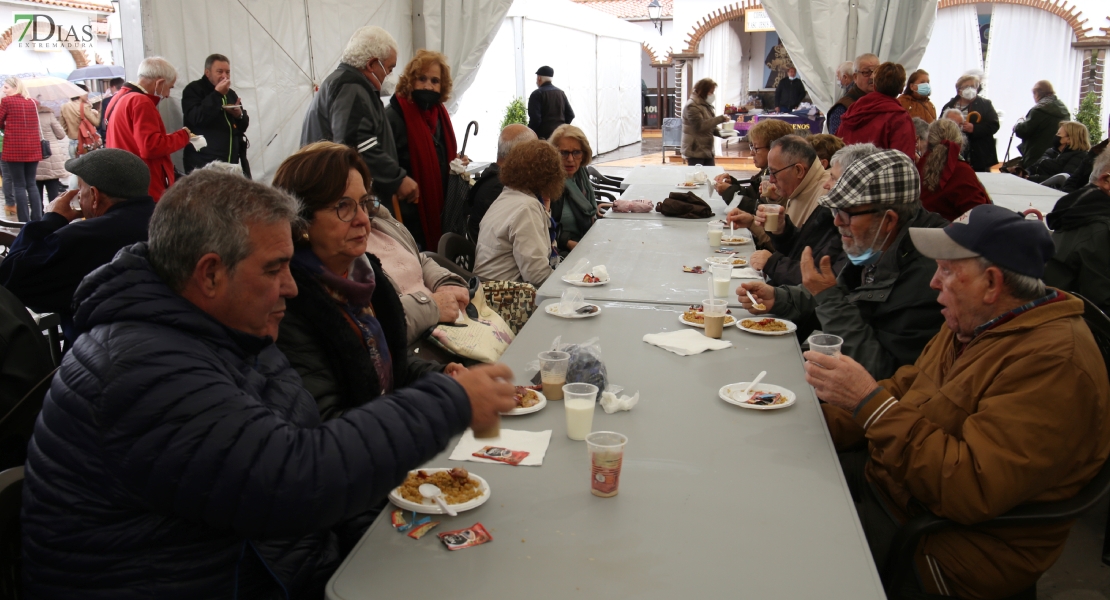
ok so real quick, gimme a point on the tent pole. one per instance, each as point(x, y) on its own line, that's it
point(308, 30)
point(518, 46)
point(853, 30)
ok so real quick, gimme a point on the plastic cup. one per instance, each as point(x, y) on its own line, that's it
point(773, 218)
point(579, 400)
point(553, 373)
point(722, 280)
point(826, 344)
point(716, 232)
point(606, 455)
point(714, 315)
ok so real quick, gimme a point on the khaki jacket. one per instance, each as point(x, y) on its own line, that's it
point(71, 117)
point(1019, 417)
point(698, 125)
point(514, 243)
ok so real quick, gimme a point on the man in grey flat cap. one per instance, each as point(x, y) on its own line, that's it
point(51, 257)
point(548, 107)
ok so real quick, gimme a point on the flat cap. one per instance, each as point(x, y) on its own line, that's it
point(887, 177)
point(114, 172)
point(546, 71)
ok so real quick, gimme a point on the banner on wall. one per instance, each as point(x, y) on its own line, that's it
point(757, 20)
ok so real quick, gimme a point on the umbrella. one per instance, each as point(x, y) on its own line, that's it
point(52, 88)
point(96, 72)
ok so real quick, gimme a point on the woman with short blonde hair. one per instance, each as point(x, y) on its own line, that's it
point(19, 120)
point(1073, 142)
point(576, 208)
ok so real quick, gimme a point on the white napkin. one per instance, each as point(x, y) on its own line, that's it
point(686, 342)
point(746, 273)
point(612, 404)
point(533, 442)
point(198, 142)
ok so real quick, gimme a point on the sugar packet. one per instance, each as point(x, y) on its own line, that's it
point(475, 535)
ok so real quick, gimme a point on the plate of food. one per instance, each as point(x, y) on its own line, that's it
point(694, 317)
point(586, 280)
point(528, 401)
point(724, 260)
point(696, 269)
point(587, 310)
point(461, 489)
point(763, 396)
point(688, 185)
point(736, 241)
point(767, 326)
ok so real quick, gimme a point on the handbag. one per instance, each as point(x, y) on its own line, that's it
point(453, 215)
point(87, 137)
point(482, 336)
point(513, 300)
point(46, 152)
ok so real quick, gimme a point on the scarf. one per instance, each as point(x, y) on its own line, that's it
point(805, 199)
point(353, 296)
point(424, 162)
point(580, 202)
point(1078, 208)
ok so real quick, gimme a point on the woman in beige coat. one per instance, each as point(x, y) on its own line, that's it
point(52, 175)
point(699, 124)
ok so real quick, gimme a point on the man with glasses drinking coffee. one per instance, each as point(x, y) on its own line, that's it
point(863, 83)
point(880, 302)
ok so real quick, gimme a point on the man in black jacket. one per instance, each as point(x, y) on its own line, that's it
point(548, 107)
point(790, 91)
point(50, 257)
point(212, 109)
point(489, 187)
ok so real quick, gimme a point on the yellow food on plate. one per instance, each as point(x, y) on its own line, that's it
point(526, 398)
point(763, 325)
point(457, 485)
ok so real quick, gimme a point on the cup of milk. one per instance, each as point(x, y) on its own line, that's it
point(722, 278)
point(579, 400)
point(716, 230)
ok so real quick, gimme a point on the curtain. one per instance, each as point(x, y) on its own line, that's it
point(466, 38)
point(721, 58)
point(954, 49)
point(895, 30)
point(1026, 45)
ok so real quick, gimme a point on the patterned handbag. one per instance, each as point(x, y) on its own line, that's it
point(514, 301)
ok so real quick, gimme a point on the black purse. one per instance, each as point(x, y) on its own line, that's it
point(46, 153)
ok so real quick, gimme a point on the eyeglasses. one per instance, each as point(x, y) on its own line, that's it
point(837, 212)
point(755, 148)
point(867, 72)
point(346, 209)
point(426, 79)
point(775, 173)
point(570, 153)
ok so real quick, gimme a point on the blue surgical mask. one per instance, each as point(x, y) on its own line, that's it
point(871, 256)
point(924, 89)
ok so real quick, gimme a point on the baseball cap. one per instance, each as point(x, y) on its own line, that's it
point(546, 71)
point(114, 172)
point(997, 234)
point(887, 177)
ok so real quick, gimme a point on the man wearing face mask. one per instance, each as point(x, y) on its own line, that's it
point(881, 303)
point(980, 121)
point(348, 109)
point(863, 83)
point(136, 126)
point(790, 91)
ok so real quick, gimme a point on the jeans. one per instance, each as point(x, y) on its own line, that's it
point(51, 188)
point(28, 204)
point(708, 162)
point(9, 189)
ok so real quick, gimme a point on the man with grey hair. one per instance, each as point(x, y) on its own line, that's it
point(548, 106)
point(1006, 406)
point(921, 133)
point(179, 455)
point(348, 110)
point(488, 187)
point(135, 125)
point(880, 303)
point(863, 83)
point(1080, 224)
point(844, 74)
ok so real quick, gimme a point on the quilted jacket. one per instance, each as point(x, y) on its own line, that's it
point(178, 458)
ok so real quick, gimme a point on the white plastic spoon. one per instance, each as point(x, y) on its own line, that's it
point(755, 304)
point(432, 492)
point(758, 378)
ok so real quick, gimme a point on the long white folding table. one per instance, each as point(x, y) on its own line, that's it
point(715, 500)
point(1018, 194)
point(666, 174)
point(657, 192)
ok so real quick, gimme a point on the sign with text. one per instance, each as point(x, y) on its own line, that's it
point(54, 31)
point(757, 20)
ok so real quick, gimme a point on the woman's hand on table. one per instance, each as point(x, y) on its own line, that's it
point(763, 293)
point(838, 380)
point(759, 259)
point(491, 392)
point(453, 369)
point(741, 219)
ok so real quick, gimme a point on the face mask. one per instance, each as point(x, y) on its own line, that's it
point(389, 85)
point(968, 93)
point(711, 98)
point(1056, 141)
point(793, 77)
point(426, 99)
point(924, 89)
point(871, 256)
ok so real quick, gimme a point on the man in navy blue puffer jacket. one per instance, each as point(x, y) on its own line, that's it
point(177, 455)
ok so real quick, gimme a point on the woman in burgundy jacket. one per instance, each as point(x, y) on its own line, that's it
point(878, 118)
point(19, 119)
point(949, 186)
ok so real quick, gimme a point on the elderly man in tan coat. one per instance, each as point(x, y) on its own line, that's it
point(1007, 405)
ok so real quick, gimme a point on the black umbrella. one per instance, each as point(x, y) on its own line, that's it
point(96, 72)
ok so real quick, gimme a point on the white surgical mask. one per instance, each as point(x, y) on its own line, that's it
point(968, 93)
point(711, 99)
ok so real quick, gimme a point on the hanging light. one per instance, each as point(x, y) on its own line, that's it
point(654, 11)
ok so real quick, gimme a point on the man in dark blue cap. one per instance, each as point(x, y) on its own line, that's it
point(51, 257)
point(548, 107)
point(1007, 405)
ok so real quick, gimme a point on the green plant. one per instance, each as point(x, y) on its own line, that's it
point(1088, 114)
point(516, 112)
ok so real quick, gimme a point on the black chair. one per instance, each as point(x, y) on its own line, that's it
point(11, 546)
point(603, 183)
point(17, 425)
point(897, 570)
point(450, 266)
point(1057, 181)
point(12, 224)
point(458, 250)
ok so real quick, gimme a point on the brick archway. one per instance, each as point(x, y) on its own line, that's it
point(715, 18)
point(1070, 14)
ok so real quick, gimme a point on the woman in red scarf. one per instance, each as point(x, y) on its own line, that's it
point(425, 141)
point(949, 186)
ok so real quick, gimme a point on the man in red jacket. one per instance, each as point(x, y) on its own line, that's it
point(878, 118)
point(135, 125)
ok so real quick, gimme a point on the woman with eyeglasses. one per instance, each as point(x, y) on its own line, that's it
point(345, 331)
point(980, 121)
point(576, 210)
point(425, 140)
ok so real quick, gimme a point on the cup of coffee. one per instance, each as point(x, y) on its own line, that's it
point(713, 313)
point(606, 457)
point(774, 217)
point(553, 373)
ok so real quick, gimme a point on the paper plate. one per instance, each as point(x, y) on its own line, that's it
point(578, 282)
point(553, 309)
point(682, 319)
point(721, 260)
point(689, 186)
point(790, 327)
point(736, 241)
point(430, 507)
point(731, 394)
point(531, 409)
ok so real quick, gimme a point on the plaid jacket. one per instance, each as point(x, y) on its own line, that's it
point(19, 118)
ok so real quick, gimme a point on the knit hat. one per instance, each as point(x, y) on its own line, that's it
point(546, 71)
point(115, 173)
point(887, 177)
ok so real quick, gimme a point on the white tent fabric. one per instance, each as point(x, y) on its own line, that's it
point(895, 30)
point(280, 50)
point(1017, 57)
point(721, 57)
point(953, 50)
